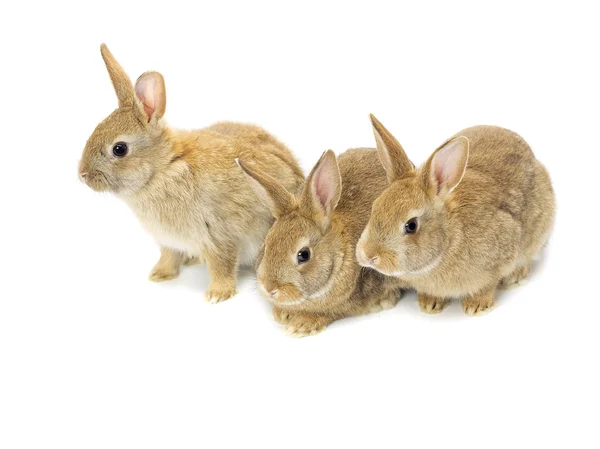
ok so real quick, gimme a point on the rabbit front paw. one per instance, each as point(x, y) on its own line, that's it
point(168, 265)
point(162, 273)
point(219, 292)
point(430, 304)
point(384, 304)
point(305, 325)
point(478, 304)
point(386, 301)
point(517, 278)
point(282, 316)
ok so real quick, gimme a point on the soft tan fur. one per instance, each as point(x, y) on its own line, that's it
point(485, 208)
point(184, 186)
point(327, 217)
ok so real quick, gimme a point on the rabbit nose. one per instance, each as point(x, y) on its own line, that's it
point(82, 170)
point(270, 287)
point(368, 256)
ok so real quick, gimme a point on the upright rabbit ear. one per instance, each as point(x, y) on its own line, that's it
point(120, 80)
point(270, 191)
point(391, 154)
point(322, 190)
point(447, 165)
point(150, 90)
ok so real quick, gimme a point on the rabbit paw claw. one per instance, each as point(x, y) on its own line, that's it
point(475, 307)
point(163, 274)
point(304, 326)
point(281, 316)
point(219, 294)
point(431, 304)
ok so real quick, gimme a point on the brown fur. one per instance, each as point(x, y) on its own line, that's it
point(184, 186)
point(476, 231)
point(327, 217)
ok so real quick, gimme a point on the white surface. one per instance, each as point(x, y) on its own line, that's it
point(92, 355)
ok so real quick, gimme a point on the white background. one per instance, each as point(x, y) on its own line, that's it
point(93, 355)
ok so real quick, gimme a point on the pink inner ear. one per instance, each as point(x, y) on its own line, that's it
point(148, 109)
point(145, 90)
point(449, 164)
point(323, 188)
point(443, 166)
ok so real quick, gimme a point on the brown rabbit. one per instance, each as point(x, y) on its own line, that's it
point(471, 219)
point(307, 268)
point(184, 186)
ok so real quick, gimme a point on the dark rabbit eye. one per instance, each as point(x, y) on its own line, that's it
point(303, 255)
point(411, 226)
point(120, 149)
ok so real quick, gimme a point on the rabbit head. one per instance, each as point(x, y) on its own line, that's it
point(302, 251)
point(131, 144)
point(409, 227)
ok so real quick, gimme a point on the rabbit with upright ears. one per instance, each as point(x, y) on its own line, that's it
point(184, 186)
point(307, 268)
point(472, 218)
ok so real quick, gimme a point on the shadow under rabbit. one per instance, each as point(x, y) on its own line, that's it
point(453, 309)
point(197, 278)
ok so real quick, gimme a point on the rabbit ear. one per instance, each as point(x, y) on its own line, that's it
point(447, 165)
point(323, 189)
point(120, 80)
point(150, 90)
point(271, 192)
point(391, 154)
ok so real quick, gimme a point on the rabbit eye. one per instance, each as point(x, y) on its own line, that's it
point(120, 149)
point(411, 226)
point(303, 255)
